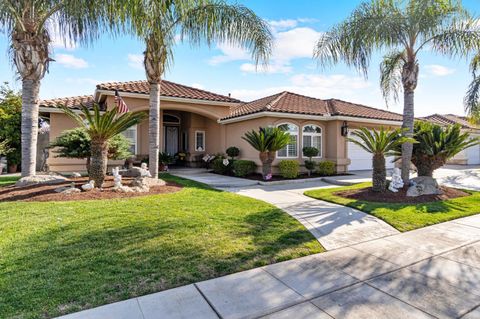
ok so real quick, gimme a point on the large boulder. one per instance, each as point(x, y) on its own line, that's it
point(131, 172)
point(147, 182)
point(423, 185)
point(40, 180)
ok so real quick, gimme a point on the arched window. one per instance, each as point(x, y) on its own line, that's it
point(171, 119)
point(291, 150)
point(312, 137)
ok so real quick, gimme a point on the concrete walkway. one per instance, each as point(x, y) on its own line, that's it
point(333, 225)
point(433, 272)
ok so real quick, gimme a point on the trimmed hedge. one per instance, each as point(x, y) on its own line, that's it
point(326, 168)
point(243, 168)
point(289, 168)
point(219, 168)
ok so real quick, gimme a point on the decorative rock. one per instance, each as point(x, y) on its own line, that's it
point(147, 182)
point(396, 183)
point(76, 175)
point(89, 186)
point(68, 189)
point(423, 185)
point(131, 172)
point(40, 180)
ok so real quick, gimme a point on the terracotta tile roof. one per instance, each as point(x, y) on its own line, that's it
point(167, 88)
point(449, 119)
point(72, 102)
point(287, 102)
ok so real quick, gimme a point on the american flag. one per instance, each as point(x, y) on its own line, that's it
point(122, 106)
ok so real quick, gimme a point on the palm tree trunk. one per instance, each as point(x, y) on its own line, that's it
point(379, 178)
point(98, 164)
point(154, 129)
point(409, 81)
point(30, 92)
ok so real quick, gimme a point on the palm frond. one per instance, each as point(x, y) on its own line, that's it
point(390, 74)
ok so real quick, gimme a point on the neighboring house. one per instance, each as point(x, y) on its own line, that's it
point(470, 156)
point(198, 122)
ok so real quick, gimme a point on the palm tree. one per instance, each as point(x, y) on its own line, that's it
point(404, 28)
point(436, 145)
point(472, 98)
point(29, 24)
point(101, 128)
point(379, 143)
point(267, 141)
point(159, 22)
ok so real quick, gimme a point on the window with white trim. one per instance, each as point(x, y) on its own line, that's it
point(291, 150)
point(312, 137)
point(199, 141)
point(131, 135)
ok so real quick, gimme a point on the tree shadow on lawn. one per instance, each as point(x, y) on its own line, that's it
point(71, 267)
point(431, 208)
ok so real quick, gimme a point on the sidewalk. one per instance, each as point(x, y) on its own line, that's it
point(433, 271)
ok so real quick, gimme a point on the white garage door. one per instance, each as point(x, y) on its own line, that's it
point(361, 159)
point(473, 155)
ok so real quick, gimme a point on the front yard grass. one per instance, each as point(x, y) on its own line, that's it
point(8, 180)
point(61, 257)
point(405, 217)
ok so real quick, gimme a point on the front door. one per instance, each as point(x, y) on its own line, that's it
point(171, 139)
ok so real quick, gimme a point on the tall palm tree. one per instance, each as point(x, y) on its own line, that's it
point(379, 143)
point(472, 98)
point(267, 141)
point(159, 22)
point(29, 24)
point(404, 28)
point(101, 128)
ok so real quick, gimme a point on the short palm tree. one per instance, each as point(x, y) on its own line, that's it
point(404, 28)
point(101, 128)
point(437, 144)
point(267, 141)
point(379, 143)
point(29, 24)
point(158, 23)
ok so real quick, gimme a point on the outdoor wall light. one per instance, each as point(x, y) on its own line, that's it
point(344, 129)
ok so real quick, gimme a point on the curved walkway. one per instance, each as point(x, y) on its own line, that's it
point(333, 225)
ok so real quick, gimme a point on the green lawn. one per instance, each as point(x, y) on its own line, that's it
point(61, 257)
point(405, 217)
point(8, 180)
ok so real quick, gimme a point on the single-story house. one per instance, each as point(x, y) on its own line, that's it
point(470, 156)
point(198, 122)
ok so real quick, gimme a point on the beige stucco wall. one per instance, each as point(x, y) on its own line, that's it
point(334, 145)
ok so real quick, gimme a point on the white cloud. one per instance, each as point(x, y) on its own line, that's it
point(439, 70)
point(269, 69)
point(135, 61)
point(57, 41)
point(282, 24)
point(229, 53)
point(319, 86)
point(70, 61)
point(198, 86)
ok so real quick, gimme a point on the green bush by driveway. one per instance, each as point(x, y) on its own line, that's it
point(61, 257)
point(405, 217)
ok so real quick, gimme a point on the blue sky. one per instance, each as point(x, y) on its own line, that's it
point(223, 69)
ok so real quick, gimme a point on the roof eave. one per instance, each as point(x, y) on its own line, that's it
point(101, 93)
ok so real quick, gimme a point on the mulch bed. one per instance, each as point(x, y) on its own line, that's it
point(366, 194)
point(45, 193)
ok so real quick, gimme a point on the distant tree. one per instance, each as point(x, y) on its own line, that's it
point(10, 123)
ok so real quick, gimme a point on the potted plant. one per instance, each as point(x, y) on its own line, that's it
point(164, 159)
point(13, 160)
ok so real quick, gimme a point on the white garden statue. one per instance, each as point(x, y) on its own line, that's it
point(144, 172)
point(396, 183)
point(117, 178)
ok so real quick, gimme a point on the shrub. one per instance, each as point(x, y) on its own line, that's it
point(233, 152)
point(310, 166)
point(326, 168)
point(219, 166)
point(243, 168)
point(289, 168)
point(310, 152)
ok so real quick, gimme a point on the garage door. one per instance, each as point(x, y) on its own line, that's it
point(361, 159)
point(473, 155)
